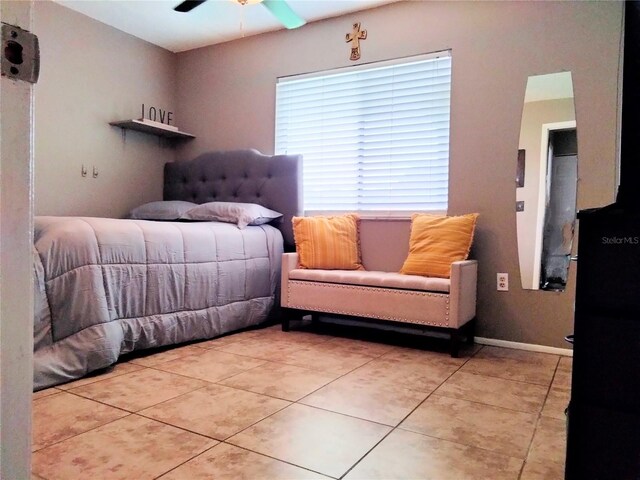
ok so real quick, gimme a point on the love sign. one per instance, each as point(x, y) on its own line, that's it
point(157, 115)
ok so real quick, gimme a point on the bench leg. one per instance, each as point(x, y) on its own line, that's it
point(289, 314)
point(471, 331)
point(285, 323)
point(286, 316)
point(455, 342)
point(468, 330)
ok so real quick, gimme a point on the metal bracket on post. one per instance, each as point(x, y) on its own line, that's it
point(20, 54)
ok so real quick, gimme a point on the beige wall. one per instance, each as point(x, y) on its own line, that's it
point(226, 96)
point(92, 74)
point(534, 115)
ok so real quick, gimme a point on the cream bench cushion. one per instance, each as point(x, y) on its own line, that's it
point(373, 279)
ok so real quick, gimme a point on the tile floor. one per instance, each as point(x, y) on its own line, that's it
point(264, 404)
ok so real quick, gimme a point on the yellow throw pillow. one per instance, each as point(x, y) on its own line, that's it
point(436, 242)
point(328, 243)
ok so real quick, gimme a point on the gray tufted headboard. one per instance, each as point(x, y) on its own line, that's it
point(274, 181)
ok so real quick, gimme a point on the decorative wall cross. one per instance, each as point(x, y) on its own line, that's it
point(355, 38)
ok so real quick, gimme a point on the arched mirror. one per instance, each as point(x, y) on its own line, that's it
point(546, 182)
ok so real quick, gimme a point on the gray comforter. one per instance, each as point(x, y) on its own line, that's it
point(105, 287)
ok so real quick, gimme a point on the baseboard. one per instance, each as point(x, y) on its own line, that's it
point(531, 347)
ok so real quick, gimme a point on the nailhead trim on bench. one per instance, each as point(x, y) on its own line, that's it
point(382, 290)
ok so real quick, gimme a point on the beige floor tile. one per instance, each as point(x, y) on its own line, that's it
point(45, 393)
point(542, 471)
point(325, 433)
point(61, 416)
point(140, 389)
point(276, 327)
point(416, 350)
point(116, 370)
point(414, 374)
point(367, 399)
point(549, 442)
point(130, 448)
point(474, 424)
point(469, 350)
point(263, 347)
point(220, 342)
point(566, 363)
point(227, 462)
point(229, 339)
point(280, 380)
point(408, 455)
point(211, 366)
point(325, 442)
point(215, 411)
point(417, 355)
point(559, 395)
point(307, 338)
point(165, 355)
point(562, 379)
point(556, 403)
point(336, 359)
point(510, 364)
point(372, 349)
point(520, 396)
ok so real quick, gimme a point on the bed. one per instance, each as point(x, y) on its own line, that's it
point(105, 287)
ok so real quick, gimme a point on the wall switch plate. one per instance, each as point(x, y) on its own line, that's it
point(503, 282)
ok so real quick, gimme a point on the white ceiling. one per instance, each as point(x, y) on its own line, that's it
point(215, 21)
point(549, 87)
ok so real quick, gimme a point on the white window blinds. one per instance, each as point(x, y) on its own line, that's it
point(373, 139)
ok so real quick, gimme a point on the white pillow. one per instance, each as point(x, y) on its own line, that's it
point(161, 210)
point(242, 214)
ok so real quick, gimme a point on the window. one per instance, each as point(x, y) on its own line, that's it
point(374, 138)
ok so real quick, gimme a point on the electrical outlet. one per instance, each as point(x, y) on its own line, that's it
point(503, 282)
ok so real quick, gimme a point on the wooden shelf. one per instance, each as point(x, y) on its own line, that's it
point(152, 129)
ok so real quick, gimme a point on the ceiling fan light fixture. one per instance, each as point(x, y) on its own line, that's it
point(283, 12)
point(247, 2)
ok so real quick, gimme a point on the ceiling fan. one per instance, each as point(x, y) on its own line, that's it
point(279, 8)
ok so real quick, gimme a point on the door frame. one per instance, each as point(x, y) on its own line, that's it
point(16, 261)
point(547, 128)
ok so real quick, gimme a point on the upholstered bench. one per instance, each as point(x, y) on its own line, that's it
point(446, 304)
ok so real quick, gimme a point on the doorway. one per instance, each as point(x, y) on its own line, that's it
point(560, 209)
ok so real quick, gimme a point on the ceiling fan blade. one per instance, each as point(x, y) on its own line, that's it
point(282, 11)
point(188, 5)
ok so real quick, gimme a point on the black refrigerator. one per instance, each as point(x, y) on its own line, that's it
point(603, 440)
point(604, 412)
